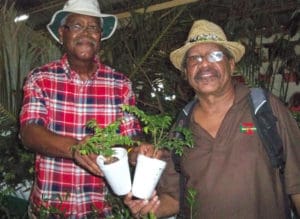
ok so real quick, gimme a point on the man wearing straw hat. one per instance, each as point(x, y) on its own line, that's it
point(228, 169)
point(59, 98)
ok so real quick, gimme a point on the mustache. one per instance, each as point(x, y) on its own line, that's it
point(88, 40)
point(204, 74)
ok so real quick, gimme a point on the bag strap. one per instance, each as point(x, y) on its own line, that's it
point(265, 123)
point(183, 122)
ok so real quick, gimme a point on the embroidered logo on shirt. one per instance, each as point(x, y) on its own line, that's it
point(248, 128)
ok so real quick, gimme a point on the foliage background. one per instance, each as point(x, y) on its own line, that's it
point(21, 49)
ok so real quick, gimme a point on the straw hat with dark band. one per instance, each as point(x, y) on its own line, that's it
point(203, 31)
point(85, 7)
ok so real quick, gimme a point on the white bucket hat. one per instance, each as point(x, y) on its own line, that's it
point(86, 7)
point(203, 31)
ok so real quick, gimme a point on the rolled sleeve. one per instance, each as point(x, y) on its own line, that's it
point(34, 109)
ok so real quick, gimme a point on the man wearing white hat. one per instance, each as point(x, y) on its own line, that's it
point(228, 169)
point(59, 98)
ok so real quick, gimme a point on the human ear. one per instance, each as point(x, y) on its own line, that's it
point(184, 73)
point(231, 65)
point(60, 34)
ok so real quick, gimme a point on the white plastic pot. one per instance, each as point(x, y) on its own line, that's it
point(147, 173)
point(117, 173)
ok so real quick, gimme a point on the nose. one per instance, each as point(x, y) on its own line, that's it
point(91, 29)
point(86, 29)
point(204, 62)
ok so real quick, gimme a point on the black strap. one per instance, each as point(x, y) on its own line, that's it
point(265, 122)
point(183, 120)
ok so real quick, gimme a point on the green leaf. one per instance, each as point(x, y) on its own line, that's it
point(157, 128)
point(104, 139)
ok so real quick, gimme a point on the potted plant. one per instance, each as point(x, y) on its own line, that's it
point(149, 169)
point(113, 161)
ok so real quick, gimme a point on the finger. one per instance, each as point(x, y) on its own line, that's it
point(92, 161)
point(151, 206)
point(85, 139)
point(153, 194)
point(133, 156)
point(140, 208)
point(146, 149)
point(136, 206)
point(127, 198)
point(92, 165)
point(86, 163)
point(155, 207)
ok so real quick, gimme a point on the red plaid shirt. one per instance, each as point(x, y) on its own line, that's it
point(55, 97)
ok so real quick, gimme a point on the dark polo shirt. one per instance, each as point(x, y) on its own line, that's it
point(231, 173)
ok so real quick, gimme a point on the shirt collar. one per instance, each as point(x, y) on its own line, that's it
point(73, 74)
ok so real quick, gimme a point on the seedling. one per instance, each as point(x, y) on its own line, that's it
point(104, 139)
point(157, 127)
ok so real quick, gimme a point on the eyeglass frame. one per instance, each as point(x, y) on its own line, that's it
point(225, 51)
point(77, 28)
point(207, 58)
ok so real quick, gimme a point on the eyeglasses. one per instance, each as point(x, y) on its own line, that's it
point(215, 56)
point(77, 28)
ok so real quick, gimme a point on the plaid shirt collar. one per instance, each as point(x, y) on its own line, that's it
point(73, 74)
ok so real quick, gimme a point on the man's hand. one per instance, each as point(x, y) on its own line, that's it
point(296, 201)
point(87, 162)
point(140, 208)
point(145, 149)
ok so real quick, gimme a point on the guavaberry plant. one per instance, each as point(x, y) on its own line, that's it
point(158, 128)
point(104, 139)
